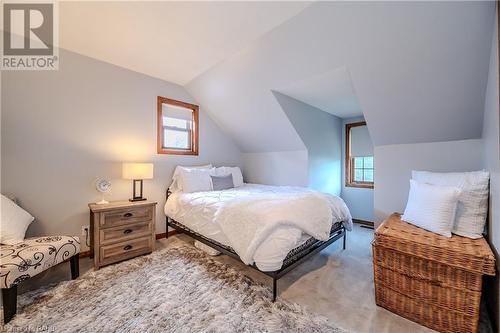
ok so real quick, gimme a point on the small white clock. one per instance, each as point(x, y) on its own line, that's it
point(103, 186)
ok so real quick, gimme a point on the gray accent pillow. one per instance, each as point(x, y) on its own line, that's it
point(222, 182)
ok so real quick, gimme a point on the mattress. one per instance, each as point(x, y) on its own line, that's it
point(197, 210)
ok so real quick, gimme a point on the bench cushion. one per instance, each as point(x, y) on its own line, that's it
point(34, 255)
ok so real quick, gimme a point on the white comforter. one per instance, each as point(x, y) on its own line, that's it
point(261, 223)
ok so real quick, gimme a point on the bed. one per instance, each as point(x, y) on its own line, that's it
point(280, 249)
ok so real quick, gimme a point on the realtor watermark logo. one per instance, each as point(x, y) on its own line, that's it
point(30, 35)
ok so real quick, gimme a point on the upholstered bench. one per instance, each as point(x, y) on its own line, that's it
point(24, 260)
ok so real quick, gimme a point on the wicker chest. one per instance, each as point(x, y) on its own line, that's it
point(430, 279)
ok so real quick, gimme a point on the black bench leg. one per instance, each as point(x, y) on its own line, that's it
point(9, 298)
point(275, 288)
point(74, 263)
point(344, 238)
point(166, 227)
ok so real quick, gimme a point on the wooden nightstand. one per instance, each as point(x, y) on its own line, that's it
point(121, 230)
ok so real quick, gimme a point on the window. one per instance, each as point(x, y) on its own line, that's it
point(359, 164)
point(177, 127)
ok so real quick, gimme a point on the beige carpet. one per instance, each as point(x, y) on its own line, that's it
point(177, 289)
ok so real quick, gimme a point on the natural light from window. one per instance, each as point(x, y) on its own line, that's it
point(363, 169)
point(177, 127)
point(359, 164)
point(176, 133)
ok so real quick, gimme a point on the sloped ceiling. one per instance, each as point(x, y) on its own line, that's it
point(418, 69)
point(332, 92)
point(173, 41)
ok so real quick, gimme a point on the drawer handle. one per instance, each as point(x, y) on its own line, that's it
point(128, 247)
point(127, 231)
point(127, 215)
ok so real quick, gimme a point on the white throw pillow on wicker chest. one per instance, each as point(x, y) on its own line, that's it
point(472, 204)
point(432, 207)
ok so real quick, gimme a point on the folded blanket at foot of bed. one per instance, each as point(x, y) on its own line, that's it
point(247, 222)
point(261, 223)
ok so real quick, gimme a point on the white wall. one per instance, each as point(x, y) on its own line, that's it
point(359, 200)
point(61, 129)
point(321, 133)
point(492, 164)
point(277, 168)
point(394, 163)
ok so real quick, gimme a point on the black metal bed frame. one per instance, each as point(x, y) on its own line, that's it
point(293, 259)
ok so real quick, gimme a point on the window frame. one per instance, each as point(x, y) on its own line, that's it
point(349, 161)
point(193, 150)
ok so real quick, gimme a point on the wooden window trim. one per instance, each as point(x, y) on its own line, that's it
point(349, 165)
point(159, 127)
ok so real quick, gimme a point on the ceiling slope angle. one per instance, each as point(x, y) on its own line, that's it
point(420, 65)
point(332, 91)
point(171, 40)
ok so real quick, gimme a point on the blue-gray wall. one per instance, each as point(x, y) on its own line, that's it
point(321, 133)
point(288, 168)
point(492, 164)
point(394, 163)
point(62, 129)
point(359, 200)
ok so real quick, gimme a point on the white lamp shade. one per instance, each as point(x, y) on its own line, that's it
point(137, 171)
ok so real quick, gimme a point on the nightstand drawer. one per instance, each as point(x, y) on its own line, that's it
point(121, 230)
point(126, 216)
point(125, 250)
point(124, 232)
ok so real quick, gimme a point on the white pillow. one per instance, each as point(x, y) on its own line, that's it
point(176, 186)
point(196, 180)
point(14, 222)
point(234, 171)
point(472, 206)
point(432, 207)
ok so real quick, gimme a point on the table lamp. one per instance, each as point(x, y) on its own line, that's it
point(137, 172)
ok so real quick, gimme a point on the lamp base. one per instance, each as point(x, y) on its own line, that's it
point(137, 199)
point(137, 195)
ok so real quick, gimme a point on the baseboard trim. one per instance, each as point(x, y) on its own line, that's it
point(164, 235)
point(85, 254)
point(363, 222)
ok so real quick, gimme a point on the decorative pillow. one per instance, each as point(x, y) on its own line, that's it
point(234, 171)
point(196, 180)
point(432, 207)
point(14, 222)
point(175, 186)
point(472, 205)
point(220, 183)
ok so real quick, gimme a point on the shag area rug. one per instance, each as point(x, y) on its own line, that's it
point(172, 290)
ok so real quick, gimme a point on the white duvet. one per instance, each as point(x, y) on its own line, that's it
point(261, 223)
